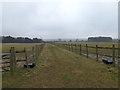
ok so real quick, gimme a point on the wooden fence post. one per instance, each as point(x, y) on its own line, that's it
point(72, 47)
point(75, 48)
point(97, 52)
point(87, 50)
point(36, 51)
point(33, 51)
point(80, 50)
point(113, 52)
point(118, 52)
point(12, 60)
point(26, 55)
point(67, 46)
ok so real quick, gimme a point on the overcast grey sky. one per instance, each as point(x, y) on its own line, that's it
point(53, 20)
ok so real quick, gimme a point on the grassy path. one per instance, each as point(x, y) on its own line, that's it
point(58, 68)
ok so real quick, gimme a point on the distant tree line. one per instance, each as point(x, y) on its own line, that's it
point(100, 39)
point(9, 39)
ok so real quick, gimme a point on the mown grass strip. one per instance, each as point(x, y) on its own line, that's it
point(59, 68)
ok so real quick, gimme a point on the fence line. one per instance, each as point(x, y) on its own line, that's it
point(84, 50)
point(36, 50)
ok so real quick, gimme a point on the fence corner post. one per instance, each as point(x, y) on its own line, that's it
point(12, 60)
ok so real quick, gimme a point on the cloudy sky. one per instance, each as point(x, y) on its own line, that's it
point(59, 19)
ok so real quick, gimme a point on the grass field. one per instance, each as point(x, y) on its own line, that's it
point(59, 68)
point(18, 46)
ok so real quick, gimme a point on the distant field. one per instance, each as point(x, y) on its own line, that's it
point(18, 46)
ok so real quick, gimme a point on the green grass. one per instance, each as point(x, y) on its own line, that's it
point(59, 68)
point(18, 46)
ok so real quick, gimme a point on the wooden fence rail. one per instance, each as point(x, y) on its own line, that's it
point(36, 50)
point(84, 49)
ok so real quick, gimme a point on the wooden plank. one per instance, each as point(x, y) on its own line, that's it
point(7, 66)
point(4, 62)
point(5, 58)
point(101, 47)
point(4, 54)
point(20, 51)
point(21, 60)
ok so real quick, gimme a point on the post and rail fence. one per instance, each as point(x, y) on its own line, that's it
point(10, 57)
point(96, 52)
